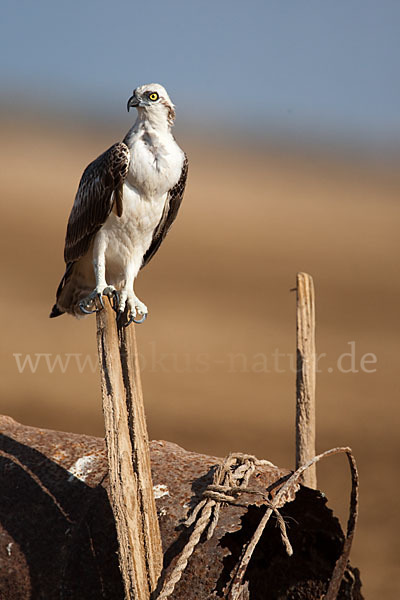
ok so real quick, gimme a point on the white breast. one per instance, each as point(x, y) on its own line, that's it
point(154, 169)
point(156, 162)
point(128, 237)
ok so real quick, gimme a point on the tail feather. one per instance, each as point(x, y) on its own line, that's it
point(77, 282)
point(55, 312)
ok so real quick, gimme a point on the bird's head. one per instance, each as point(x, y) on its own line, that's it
point(152, 99)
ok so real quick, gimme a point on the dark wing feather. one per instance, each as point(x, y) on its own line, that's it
point(94, 199)
point(174, 199)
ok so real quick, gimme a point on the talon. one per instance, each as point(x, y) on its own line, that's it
point(133, 320)
point(94, 299)
point(129, 321)
point(85, 310)
point(115, 300)
point(111, 301)
point(100, 297)
point(138, 321)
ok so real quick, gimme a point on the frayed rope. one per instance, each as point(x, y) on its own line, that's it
point(230, 481)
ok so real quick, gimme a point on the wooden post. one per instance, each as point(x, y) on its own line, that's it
point(305, 377)
point(131, 487)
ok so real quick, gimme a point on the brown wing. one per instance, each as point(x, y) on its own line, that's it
point(174, 200)
point(95, 199)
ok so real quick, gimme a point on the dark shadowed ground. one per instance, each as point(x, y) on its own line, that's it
point(217, 349)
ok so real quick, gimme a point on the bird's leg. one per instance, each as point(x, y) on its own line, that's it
point(130, 308)
point(91, 303)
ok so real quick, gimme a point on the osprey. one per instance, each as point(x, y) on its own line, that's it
point(126, 202)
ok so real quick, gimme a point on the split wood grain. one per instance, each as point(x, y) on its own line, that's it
point(131, 487)
point(305, 377)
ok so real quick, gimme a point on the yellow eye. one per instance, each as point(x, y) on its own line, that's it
point(153, 96)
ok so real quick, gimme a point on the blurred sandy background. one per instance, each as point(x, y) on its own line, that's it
point(221, 311)
point(295, 169)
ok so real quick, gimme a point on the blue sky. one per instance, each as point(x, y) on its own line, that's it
point(301, 65)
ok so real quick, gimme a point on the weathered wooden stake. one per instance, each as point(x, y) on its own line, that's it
point(131, 487)
point(305, 377)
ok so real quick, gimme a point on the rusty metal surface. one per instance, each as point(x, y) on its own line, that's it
point(58, 540)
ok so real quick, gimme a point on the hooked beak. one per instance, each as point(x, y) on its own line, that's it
point(132, 102)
